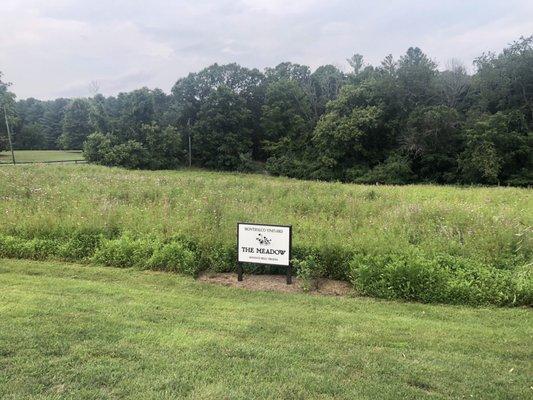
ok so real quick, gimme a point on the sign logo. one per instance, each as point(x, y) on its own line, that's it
point(263, 240)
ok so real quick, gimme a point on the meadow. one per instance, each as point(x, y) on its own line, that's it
point(461, 245)
point(75, 332)
point(30, 156)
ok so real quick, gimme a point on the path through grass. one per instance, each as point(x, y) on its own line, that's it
point(79, 332)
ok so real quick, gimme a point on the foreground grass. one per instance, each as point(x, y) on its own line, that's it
point(41, 155)
point(73, 332)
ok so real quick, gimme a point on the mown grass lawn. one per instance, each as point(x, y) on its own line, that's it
point(83, 332)
point(41, 155)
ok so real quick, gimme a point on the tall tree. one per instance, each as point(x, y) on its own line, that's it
point(417, 78)
point(222, 139)
point(350, 137)
point(76, 125)
point(454, 85)
point(498, 150)
point(53, 121)
point(190, 93)
point(326, 83)
point(432, 140)
point(505, 82)
point(287, 119)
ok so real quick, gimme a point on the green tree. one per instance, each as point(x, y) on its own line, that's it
point(190, 93)
point(350, 136)
point(28, 130)
point(326, 83)
point(504, 82)
point(76, 125)
point(164, 146)
point(454, 85)
point(221, 139)
point(52, 121)
point(417, 77)
point(498, 149)
point(97, 148)
point(432, 139)
point(287, 121)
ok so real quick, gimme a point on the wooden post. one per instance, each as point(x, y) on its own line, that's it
point(189, 135)
point(9, 136)
point(239, 272)
point(289, 274)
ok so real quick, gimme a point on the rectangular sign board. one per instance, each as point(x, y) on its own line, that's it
point(264, 244)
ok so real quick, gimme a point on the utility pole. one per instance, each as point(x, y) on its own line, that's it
point(9, 136)
point(190, 147)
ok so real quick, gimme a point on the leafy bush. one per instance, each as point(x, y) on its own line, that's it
point(97, 148)
point(308, 272)
point(440, 279)
point(411, 275)
point(12, 247)
point(125, 252)
point(81, 245)
point(35, 249)
point(174, 257)
point(394, 170)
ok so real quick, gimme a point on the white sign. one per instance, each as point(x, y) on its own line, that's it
point(264, 244)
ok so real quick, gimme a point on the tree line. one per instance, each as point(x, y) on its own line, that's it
point(402, 121)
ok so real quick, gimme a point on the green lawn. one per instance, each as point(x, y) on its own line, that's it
point(41, 155)
point(83, 332)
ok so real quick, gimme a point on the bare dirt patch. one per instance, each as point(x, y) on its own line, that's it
point(276, 283)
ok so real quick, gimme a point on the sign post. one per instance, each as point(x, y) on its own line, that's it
point(264, 244)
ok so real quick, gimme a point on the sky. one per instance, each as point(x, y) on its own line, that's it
point(60, 48)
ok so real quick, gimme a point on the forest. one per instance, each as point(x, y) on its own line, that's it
point(403, 121)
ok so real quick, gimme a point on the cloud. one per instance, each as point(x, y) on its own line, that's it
point(54, 48)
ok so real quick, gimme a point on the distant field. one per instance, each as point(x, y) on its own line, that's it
point(421, 242)
point(72, 332)
point(41, 155)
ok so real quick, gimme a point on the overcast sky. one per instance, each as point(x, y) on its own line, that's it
point(53, 48)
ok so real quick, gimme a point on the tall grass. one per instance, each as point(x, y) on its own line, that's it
point(77, 212)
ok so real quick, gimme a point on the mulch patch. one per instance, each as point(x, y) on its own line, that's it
point(276, 283)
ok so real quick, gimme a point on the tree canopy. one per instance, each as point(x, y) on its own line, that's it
point(402, 121)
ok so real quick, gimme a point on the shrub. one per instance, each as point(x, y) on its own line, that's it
point(125, 252)
point(41, 249)
point(13, 247)
point(130, 154)
point(81, 245)
point(308, 272)
point(442, 278)
point(96, 148)
point(394, 170)
point(524, 285)
point(217, 257)
point(174, 257)
point(36, 249)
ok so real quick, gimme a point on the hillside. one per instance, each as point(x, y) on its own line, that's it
point(132, 212)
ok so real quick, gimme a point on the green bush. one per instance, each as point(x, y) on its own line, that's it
point(125, 252)
point(308, 272)
point(439, 279)
point(81, 245)
point(174, 257)
point(410, 275)
point(35, 249)
point(217, 257)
